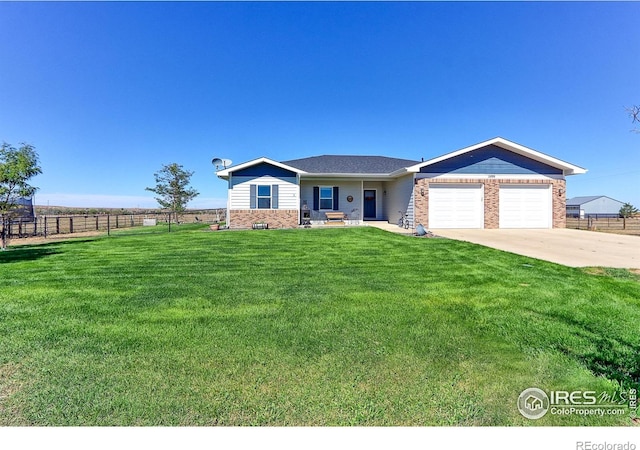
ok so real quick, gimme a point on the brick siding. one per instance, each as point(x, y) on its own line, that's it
point(491, 198)
point(559, 203)
point(275, 218)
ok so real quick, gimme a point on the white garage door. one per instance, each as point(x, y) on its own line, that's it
point(525, 206)
point(456, 206)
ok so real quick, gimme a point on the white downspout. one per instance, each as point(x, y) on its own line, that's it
point(362, 201)
point(229, 200)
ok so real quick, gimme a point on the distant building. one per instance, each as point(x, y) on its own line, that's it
point(593, 206)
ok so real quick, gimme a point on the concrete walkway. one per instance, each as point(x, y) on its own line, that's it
point(574, 248)
point(386, 226)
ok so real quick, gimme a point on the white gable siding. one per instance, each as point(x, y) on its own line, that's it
point(288, 191)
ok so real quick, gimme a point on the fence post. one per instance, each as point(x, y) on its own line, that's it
point(71, 225)
point(97, 218)
point(45, 227)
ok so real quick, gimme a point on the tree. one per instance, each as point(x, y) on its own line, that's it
point(172, 188)
point(17, 167)
point(634, 114)
point(627, 211)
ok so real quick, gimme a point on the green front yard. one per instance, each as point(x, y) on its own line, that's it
point(303, 327)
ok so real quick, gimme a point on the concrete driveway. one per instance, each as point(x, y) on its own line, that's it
point(574, 248)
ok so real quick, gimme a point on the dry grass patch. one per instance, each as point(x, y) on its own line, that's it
point(10, 414)
point(16, 242)
point(627, 274)
point(623, 232)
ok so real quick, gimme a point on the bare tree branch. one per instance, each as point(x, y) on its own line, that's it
point(634, 114)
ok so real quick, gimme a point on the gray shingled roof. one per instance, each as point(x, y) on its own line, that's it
point(585, 199)
point(350, 164)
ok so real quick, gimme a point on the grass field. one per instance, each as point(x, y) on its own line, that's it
point(303, 327)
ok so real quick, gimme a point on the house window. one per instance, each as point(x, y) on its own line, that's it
point(264, 197)
point(326, 198)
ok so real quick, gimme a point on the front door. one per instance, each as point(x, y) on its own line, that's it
point(369, 204)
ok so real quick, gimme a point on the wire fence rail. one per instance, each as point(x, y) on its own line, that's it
point(69, 224)
point(604, 223)
point(81, 223)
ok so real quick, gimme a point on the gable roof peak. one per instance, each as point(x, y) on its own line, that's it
point(567, 168)
point(580, 200)
point(262, 160)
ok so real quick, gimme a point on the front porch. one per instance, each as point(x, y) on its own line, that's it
point(358, 200)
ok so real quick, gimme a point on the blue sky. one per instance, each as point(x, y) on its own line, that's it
point(109, 92)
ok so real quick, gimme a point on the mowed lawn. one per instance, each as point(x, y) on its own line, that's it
point(303, 327)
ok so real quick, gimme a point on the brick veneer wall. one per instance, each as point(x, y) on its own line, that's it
point(491, 198)
point(276, 218)
point(559, 203)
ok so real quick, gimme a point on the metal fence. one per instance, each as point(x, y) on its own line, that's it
point(54, 225)
point(68, 224)
point(604, 223)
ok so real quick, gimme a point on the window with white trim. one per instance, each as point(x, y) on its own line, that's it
point(264, 196)
point(326, 197)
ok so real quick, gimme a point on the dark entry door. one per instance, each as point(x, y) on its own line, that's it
point(369, 204)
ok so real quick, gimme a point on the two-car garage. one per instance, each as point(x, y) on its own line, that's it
point(520, 205)
point(493, 184)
